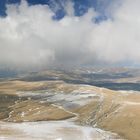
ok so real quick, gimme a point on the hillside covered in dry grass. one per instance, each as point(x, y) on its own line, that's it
point(115, 111)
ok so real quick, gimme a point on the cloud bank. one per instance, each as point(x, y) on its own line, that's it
point(31, 39)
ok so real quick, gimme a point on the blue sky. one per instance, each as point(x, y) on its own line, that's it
point(30, 38)
point(80, 6)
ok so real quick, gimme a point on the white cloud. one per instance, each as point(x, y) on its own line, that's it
point(119, 40)
point(31, 39)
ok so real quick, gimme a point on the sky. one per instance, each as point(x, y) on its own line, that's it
point(39, 34)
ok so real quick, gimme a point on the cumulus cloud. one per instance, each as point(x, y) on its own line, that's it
point(31, 39)
point(118, 40)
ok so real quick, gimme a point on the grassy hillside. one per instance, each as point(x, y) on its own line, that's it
point(115, 111)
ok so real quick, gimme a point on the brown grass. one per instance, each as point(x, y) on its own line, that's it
point(117, 112)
